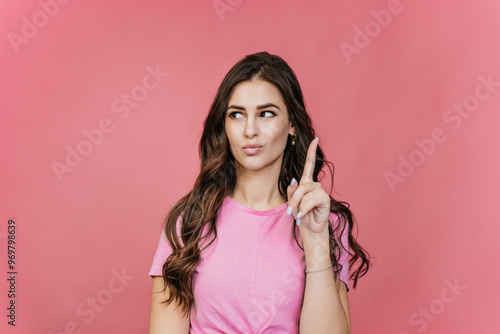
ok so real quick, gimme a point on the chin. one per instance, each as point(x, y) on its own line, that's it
point(256, 164)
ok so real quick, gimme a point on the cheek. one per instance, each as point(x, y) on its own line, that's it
point(230, 137)
point(275, 132)
point(228, 132)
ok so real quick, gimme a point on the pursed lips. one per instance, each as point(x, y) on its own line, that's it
point(252, 149)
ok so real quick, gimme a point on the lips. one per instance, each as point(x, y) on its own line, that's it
point(252, 149)
point(252, 146)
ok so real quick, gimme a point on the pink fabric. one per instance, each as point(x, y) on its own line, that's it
point(251, 279)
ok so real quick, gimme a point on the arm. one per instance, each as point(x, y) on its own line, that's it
point(326, 305)
point(325, 308)
point(165, 320)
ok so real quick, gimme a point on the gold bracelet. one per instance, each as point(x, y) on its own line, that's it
point(317, 271)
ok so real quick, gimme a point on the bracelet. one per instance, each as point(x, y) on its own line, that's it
point(317, 271)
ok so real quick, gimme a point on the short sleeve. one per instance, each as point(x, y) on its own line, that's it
point(163, 251)
point(344, 255)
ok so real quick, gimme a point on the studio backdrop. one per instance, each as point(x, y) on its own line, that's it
point(102, 108)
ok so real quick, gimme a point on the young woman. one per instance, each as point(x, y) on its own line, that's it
point(257, 246)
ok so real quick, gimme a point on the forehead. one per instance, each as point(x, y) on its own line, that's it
point(256, 92)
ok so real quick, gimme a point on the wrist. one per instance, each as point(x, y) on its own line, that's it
point(316, 250)
point(312, 238)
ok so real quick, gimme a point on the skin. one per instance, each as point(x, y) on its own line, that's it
point(246, 122)
point(326, 305)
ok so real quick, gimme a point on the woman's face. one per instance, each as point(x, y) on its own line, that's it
point(257, 115)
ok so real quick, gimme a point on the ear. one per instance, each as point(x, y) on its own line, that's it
point(292, 130)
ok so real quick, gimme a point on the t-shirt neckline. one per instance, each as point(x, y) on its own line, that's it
point(249, 210)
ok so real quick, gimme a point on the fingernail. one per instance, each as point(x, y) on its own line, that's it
point(289, 211)
point(299, 215)
point(293, 182)
point(298, 221)
point(317, 138)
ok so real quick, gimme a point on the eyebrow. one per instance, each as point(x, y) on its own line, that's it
point(264, 106)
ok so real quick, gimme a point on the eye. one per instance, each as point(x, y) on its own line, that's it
point(270, 112)
point(231, 115)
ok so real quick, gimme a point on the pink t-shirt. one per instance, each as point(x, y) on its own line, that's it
point(251, 279)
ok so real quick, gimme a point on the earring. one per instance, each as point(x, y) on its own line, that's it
point(293, 140)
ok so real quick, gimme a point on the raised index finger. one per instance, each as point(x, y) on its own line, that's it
point(310, 161)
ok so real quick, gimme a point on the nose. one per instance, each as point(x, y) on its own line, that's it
point(250, 127)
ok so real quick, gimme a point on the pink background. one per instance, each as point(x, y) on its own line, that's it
point(437, 226)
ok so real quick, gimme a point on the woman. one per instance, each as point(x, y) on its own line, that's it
point(232, 260)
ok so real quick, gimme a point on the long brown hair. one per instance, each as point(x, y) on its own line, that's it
point(217, 179)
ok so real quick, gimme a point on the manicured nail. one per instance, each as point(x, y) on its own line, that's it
point(317, 138)
point(289, 211)
point(299, 215)
point(293, 182)
point(298, 221)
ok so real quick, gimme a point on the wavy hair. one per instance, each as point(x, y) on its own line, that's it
point(217, 179)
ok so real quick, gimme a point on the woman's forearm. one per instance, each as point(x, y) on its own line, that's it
point(322, 310)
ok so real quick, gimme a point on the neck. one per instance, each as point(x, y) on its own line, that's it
point(258, 189)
